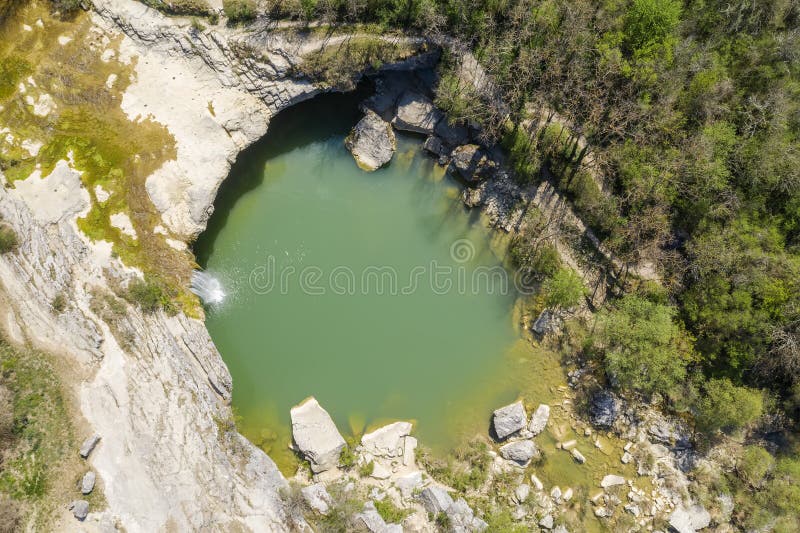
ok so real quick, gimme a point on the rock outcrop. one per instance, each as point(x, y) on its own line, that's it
point(472, 164)
point(315, 435)
point(689, 520)
point(372, 142)
point(603, 409)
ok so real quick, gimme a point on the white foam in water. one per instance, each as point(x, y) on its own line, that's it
point(207, 287)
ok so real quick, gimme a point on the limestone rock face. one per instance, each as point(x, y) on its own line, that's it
point(372, 142)
point(689, 520)
point(509, 419)
point(435, 500)
point(416, 113)
point(315, 435)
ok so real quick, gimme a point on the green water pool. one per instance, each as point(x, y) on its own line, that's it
point(332, 292)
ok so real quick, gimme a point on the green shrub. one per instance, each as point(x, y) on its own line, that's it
point(644, 348)
point(391, 513)
point(564, 289)
point(8, 239)
point(66, 6)
point(239, 10)
point(366, 469)
point(538, 258)
point(213, 19)
point(726, 407)
point(347, 458)
point(148, 295)
point(180, 7)
point(59, 303)
point(754, 465)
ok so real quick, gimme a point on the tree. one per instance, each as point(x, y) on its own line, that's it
point(648, 23)
point(564, 290)
point(726, 407)
point(644, 348)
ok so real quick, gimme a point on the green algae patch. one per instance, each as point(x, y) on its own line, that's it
point(61, 87)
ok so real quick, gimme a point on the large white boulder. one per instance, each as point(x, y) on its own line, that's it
point(689, 520)
point(315, 435)
point(539, 419)
point(509, 419)
point(372, 142)
point(387, 441)
point(520, 452)
point(416, 113)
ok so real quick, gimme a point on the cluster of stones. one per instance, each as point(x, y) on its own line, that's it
point(80, 508)
point(389, 451)
point(372, 141)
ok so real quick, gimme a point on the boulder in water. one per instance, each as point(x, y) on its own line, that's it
point(315, 435)
point(539, 419)
point(509, 419)
point(372, 142)
point(472, 163)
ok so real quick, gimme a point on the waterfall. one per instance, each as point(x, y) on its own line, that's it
point(207, 287)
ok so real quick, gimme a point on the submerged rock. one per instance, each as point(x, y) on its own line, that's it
point(539, 419)
point(521, 452)
point(315, 435)
point(612, 480)
point(509, 419)
point(416, 113)
point(603, 409)
point(372, 142)
point(689, 520)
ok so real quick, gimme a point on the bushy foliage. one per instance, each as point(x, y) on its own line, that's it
point(643, 348)
point(179, 7)
point(149, 295)
point(564, 289)
point(239, 10)
point(8, 238)
point(726, 407)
